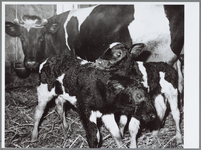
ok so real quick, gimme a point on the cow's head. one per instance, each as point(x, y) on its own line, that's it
point(118, 53)
point(32, 31)
point(133, 99)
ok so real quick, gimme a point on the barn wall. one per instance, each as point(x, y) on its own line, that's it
point(13, 49)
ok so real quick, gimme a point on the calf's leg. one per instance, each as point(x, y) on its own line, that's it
point(44, 96)
point(122, 123)
point(173, 101)
point(90, 124)
point(60, 109)
point(111, 125)
point(60, 101)
point(160, 106)
point(133, 127)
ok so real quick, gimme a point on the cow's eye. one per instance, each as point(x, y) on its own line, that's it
point(118, 54)
point(139, 97)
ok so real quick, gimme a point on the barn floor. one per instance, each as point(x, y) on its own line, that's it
point(20, 101)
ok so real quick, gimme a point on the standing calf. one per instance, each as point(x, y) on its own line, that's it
point(93, 92)
point(160, 79)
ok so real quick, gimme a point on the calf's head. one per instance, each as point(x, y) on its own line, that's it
point(133, 98)
point(32, 31)
point(118, 55)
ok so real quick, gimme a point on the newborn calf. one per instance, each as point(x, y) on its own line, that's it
point(160, 79)
point(91, 91)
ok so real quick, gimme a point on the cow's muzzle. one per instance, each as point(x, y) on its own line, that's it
point(32, 65)
point(147, 112)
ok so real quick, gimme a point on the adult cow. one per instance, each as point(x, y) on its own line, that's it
point(40, 38)
point(89, 31)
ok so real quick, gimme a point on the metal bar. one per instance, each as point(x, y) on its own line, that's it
point(16, 37)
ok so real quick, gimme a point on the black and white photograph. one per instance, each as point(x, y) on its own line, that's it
point(100, 75)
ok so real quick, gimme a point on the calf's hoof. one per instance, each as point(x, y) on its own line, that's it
point(34, 138)
point(179, 140)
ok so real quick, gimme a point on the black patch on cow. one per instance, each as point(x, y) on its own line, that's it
point(58, 87)
point(73, 33)
point(143, 56)
point(175, 15)
point(135, 72)
point(101, 88)
point(57, 41)
point(107, 55)
point(103, 26)
point(153, 69)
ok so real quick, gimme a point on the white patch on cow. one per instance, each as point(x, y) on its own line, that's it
point(98, 135)
point(111, 125)
point(66, 96)
point(144, 73)
point(93, 118)
point(44, 96)
point(171, 94)
point(114, 44)
point(160, 105)
point(94, 115)
point(41, 65)
point(151, 26)
point(28, 24)
point(122, 123)
point(166, 87)
point(84, 62)
point(71, 99)
point(180, 71)
point(160, 100)
point(133, 127)
point(60, 79)
point(43, 92)
point(79, 58)
point(81, 15)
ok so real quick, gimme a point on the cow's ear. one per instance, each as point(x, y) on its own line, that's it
point(115, 85)
point(137, 49)
point(12, 29)
point(53, 27)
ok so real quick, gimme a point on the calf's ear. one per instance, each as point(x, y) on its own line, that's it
point(115, 85)
point(12, 29)
point(53, 27)
point(137, 49)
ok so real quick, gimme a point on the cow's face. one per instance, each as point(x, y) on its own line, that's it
point(142, 104)
point(144, 109)
point(33, 45)
point(133, 99)
point(118, 52)
point(32, 32)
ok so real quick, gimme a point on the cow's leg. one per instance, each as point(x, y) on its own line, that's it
point(173, 101)
point(178, 66)
point(133, 127)
point(61, 111)
point(160, 105)
point(111, 125)
point(122, 123)
point(92, 130)
point(44, 96)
